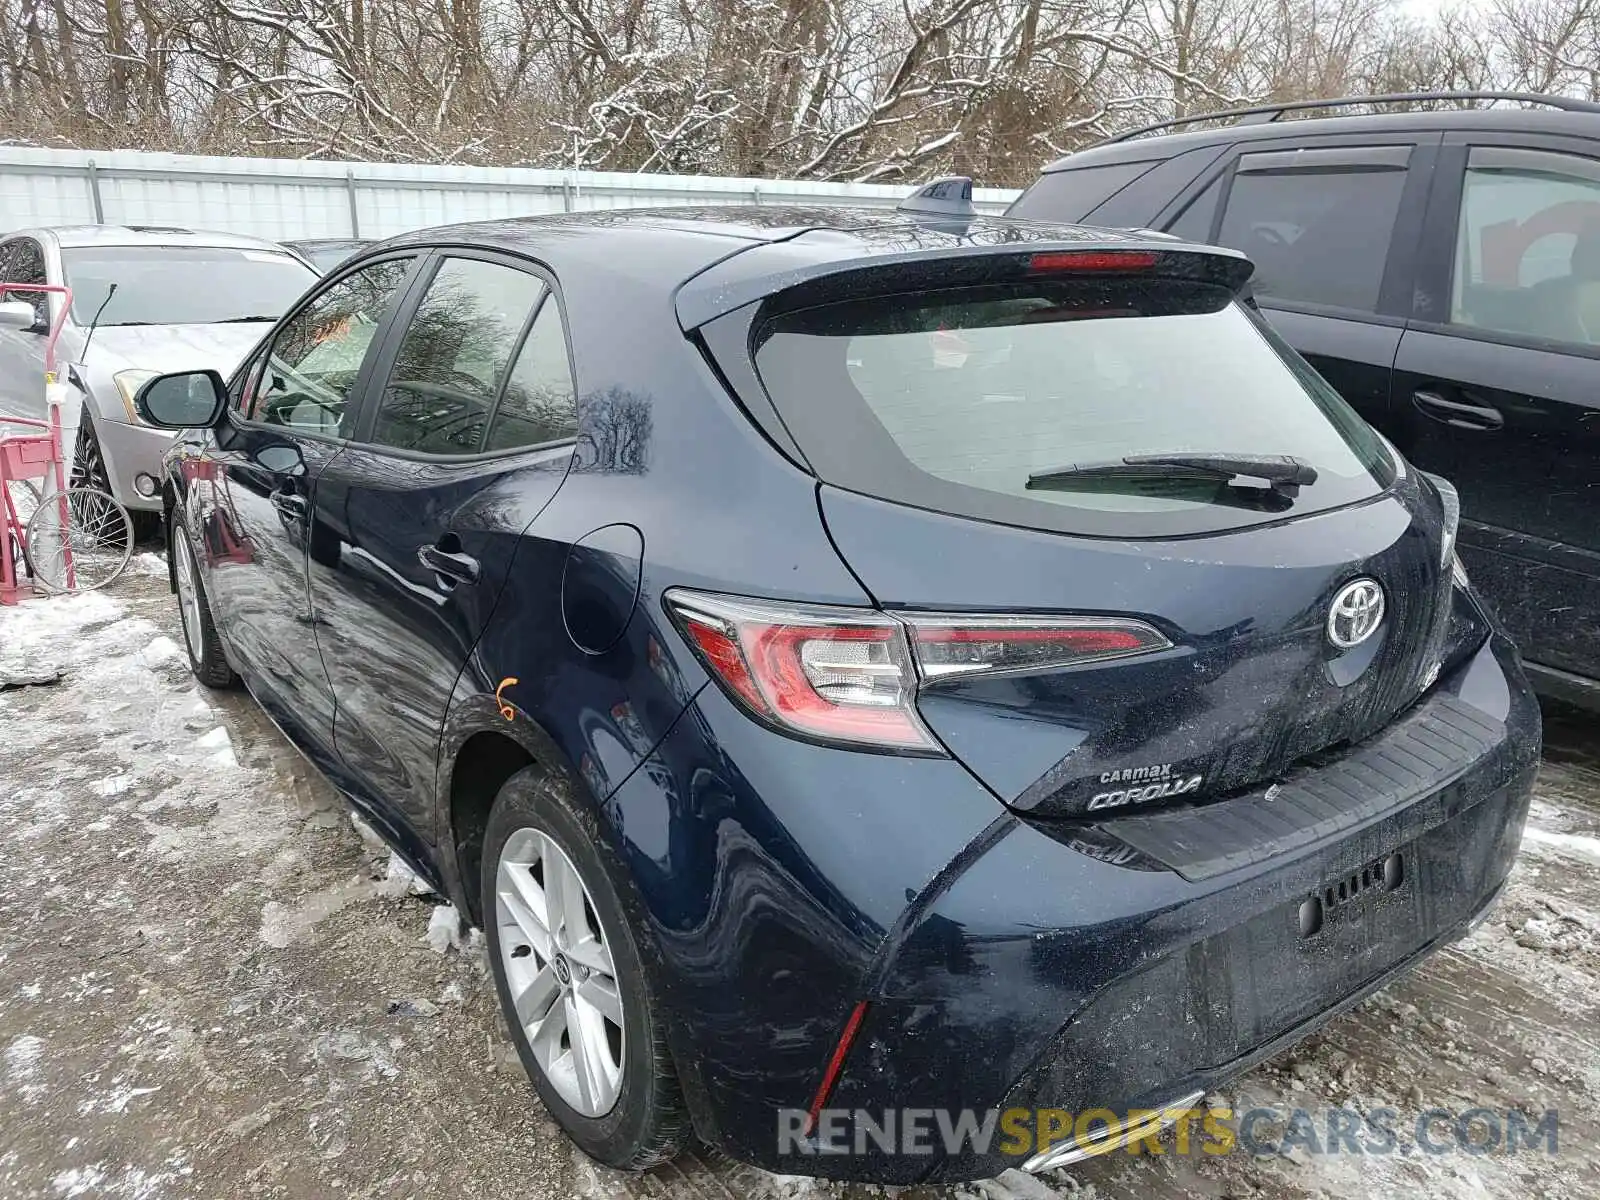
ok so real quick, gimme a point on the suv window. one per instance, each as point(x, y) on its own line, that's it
point(314, 359)
point(1195, 221)
point(1528, 246)
point(951, 400)
point(540, 404)
point(1073, 194)
point(1320, 236)
point(455, 357)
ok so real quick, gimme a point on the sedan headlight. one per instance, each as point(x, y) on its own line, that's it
point(128, 385)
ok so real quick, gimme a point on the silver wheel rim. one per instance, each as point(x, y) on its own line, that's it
point(559, 971)
point(188, 593)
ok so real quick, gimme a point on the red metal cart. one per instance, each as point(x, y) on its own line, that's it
point(75, 538)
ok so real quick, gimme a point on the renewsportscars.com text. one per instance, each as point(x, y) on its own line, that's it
point(1023, 1132)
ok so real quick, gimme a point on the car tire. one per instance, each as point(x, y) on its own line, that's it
point(646, 1123)
point(200, 638)
point(89, 471)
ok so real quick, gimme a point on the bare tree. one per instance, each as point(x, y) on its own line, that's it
point(886, 90)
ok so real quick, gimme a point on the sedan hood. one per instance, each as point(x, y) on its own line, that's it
point(171, 347)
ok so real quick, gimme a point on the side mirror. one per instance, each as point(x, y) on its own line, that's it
point(281, 460)
point(183, 400)
point(18, 314)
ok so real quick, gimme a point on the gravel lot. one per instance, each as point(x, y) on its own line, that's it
point(211, 986)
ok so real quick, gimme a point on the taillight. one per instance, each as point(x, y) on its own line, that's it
point(947, 646)
point(849, 676)
point(841, 675)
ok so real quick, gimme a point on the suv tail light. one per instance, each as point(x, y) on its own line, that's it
point(849, 676)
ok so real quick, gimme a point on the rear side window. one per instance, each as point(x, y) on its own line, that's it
point(952, 400)
point(454, 358)
point(1074, 193)
point(539, 404)
point(1528, 247)
point(1316, 236)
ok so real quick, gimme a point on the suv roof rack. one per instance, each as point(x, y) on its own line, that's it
point(1264, 113)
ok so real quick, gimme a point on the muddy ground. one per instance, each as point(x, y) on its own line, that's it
point(209, 985)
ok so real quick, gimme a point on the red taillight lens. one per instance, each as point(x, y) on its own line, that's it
point(1092, 260)
point(831, 674)
point(849, 676)
point(948, 646)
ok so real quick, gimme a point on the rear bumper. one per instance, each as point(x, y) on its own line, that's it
point(1054, 979)
point(1057, 965)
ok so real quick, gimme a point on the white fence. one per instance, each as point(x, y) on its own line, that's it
point(295, 198)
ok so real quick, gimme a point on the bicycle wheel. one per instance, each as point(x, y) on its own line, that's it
point(93, 526)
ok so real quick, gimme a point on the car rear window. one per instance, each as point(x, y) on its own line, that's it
point(951, 400)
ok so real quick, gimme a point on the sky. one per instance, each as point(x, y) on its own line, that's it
point(1429, 8)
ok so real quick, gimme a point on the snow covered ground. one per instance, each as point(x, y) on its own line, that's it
point(213, 984)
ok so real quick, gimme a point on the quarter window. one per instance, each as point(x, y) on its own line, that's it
point(1194, 223)
point(242, 390)
point(1318, 236)
point(1073, 194)
point(1528, 246)
point(316, 357)
point(455, 357)
point(22, 261)
point(539, 405)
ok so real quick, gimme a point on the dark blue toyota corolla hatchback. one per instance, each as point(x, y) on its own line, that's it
point(857, 661)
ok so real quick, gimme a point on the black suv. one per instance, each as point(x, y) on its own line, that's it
point(1442, 270)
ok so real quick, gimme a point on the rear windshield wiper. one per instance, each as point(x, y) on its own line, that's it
point(241, 320)
point(1277, 471)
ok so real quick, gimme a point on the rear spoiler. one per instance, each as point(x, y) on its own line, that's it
point(822, 266)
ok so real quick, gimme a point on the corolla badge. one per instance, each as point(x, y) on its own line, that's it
point(1148, 783)
point(1356, 613)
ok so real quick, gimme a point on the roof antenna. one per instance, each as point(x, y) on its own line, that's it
point(948, 196)
point(83, 355)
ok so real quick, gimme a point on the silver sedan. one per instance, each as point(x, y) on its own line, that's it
point(144, 301)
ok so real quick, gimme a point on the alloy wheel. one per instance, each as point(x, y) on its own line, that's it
point(188, 592)
point(559, 971)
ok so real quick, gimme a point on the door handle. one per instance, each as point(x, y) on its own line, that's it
point(452, 565)
point(1479, 417)
point(289, 504)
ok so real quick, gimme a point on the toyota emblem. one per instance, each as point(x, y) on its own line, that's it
point(1356, 613)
